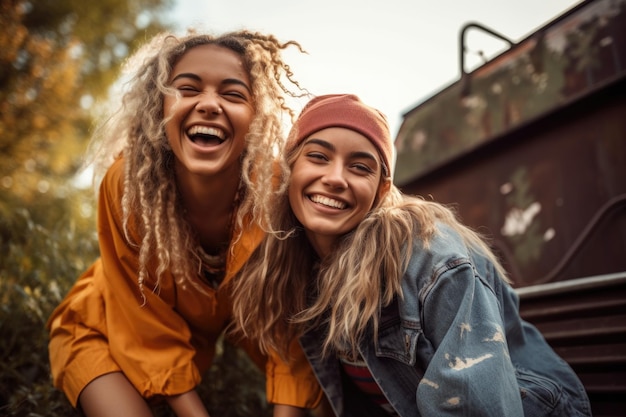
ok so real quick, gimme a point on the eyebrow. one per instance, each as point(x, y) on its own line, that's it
point(331, 147)
point(227, 81)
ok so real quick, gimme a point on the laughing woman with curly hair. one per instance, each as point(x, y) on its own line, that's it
point(183, 167)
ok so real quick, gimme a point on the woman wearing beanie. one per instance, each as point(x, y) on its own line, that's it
point(401, 309)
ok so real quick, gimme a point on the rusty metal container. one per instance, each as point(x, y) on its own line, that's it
point(531, 148)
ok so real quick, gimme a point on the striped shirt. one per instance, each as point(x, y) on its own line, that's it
point(360, 374)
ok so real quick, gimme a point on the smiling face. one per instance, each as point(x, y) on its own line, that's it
point(209, 122)
point(335, 181)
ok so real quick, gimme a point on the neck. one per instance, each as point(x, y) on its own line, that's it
point(207, 194)
point(323, 245)
point(210, 204)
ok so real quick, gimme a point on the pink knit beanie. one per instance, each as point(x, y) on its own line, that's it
point(347, 111)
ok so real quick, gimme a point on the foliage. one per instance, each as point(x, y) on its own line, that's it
point(56, 58)
point(226, 377)
point(37, 267)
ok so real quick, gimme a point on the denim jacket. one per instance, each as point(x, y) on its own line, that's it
point(453, 345)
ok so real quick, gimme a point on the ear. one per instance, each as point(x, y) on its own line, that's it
point(383, 189)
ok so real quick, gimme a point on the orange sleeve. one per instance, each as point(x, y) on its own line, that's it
point(292, 383)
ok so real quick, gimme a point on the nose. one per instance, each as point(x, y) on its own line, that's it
point(208, 104)
point(334, 176)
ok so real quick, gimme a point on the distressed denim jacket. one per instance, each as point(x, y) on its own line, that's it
point(453, 345)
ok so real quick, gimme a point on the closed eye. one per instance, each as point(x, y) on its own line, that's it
point(363, 168)
point(186, 82)
point(236, 89)
point(187, 90)
point(235, 95)
point(317, 156)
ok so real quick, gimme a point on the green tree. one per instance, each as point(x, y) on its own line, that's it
point(56, 58)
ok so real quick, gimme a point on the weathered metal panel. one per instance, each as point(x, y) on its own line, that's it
point(552, 196)
point(575, 54)
point(550, 188)
point(584, 320)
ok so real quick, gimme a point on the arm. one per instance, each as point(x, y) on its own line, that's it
point(148, 338)
point(291, 385)
point(471, 370)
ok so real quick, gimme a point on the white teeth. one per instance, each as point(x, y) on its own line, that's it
point(205, 130)
point(328, 202)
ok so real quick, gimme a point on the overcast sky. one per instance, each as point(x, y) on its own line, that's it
point(392, 53)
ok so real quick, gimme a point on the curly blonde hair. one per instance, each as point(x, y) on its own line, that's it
point(136, 132)
point(286, 289)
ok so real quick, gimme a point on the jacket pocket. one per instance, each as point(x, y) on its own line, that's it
point(396, 341)
point(402, 340)
point(540, 395)
point(406, 344)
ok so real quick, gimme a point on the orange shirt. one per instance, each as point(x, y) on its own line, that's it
point(164, 345)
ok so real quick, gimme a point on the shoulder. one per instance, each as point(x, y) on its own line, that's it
point(111, 192)
point(444, 249)
point(113, 181)
point(443, 253)
point(248, 239)
point(115, 173)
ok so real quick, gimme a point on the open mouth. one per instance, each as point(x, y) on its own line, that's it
point(206, 136)
point(328, 202)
